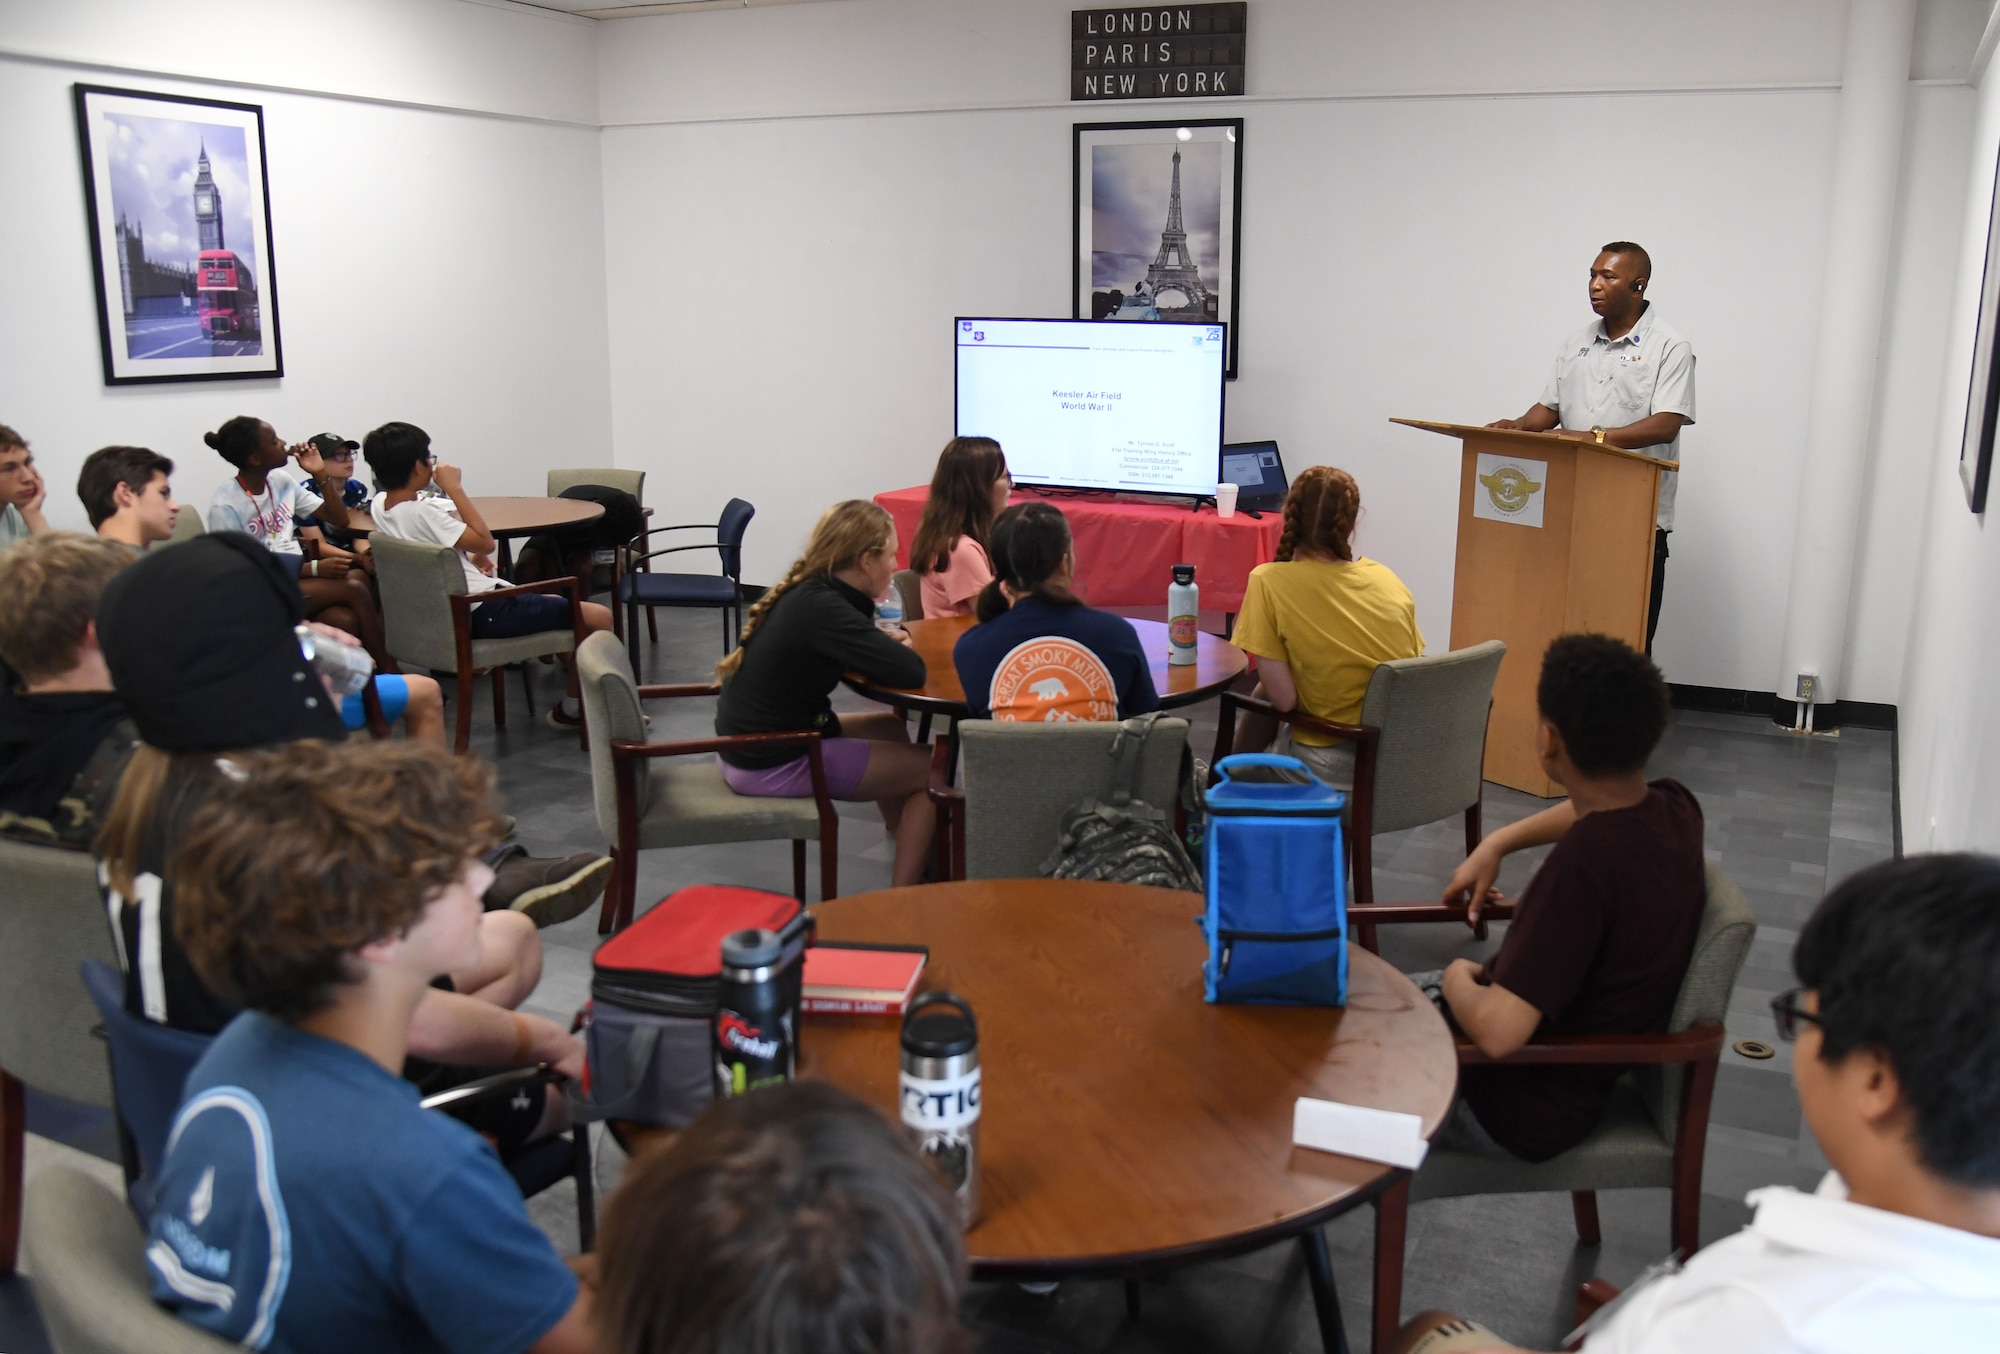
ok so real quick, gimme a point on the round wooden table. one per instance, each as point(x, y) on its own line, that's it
point(508, 517)
point(1127, 1125)
point(1217, 664)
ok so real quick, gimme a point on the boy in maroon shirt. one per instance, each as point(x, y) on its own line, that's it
point(1603, 933)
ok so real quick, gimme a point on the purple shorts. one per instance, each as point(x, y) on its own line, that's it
point(845, 759)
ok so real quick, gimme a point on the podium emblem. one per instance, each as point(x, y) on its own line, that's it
point(1512, 490)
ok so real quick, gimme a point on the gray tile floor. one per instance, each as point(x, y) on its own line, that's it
point(1786, 816)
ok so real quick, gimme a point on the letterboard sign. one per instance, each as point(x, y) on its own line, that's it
point(1156, 52)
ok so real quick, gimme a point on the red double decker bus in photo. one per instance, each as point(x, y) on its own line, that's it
point(226, 292)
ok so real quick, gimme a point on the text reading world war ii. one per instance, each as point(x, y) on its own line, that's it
point(1157, 52)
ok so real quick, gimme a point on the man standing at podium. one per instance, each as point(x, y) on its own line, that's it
point(1624, 380)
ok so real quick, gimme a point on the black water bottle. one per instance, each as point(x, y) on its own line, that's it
point(756, 1015)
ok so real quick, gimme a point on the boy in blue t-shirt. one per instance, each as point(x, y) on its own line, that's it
point(308, 1202)
point(1039, 655)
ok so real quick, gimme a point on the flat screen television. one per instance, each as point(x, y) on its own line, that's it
point(1096, 404)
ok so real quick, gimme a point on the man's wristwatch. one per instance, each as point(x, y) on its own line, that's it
point(1597, 431)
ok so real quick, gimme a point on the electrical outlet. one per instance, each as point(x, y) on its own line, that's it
point(1808, 687)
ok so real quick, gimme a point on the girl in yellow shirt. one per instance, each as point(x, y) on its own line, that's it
point(1319, 621)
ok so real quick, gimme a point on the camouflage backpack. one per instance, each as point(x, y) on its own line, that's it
point(1124, 841)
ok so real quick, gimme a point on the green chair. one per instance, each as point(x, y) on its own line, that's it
point(1419, 755)
point(91, 1283)
point(1017, 780)
point(51, 919)
point(427, 620)
point(1655, 1129)
point(644, 801)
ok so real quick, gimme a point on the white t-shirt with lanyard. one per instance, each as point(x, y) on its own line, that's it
point(271, 515)
point(430, 521)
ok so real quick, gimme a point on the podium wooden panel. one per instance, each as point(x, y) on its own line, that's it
point(1588, 566)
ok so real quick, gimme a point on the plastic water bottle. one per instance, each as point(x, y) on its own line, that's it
point(889, 610)
point(1183, 615)
point(939, 1090)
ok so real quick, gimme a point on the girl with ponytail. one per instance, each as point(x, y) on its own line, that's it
point(817, 623)
point(267, 500)
point(1039, 654)
point(949, 554)
point(1319, 621)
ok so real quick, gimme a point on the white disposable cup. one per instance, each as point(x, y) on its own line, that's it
point(1225, 500)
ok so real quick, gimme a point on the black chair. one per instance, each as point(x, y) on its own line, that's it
point(150, 1063)
point(641, 587)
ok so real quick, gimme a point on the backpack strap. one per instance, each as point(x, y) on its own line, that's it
point(1126, 746)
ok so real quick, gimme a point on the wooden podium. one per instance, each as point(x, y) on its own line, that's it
point(1555, 536)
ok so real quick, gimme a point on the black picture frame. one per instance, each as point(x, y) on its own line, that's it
point(173, 309)
point(1124, 217)
point(1982, 392)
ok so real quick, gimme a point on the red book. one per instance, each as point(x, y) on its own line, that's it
point(843, 979)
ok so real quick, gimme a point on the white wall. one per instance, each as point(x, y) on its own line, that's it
point(824, 186)
point(1950, 723)
point(439, 266)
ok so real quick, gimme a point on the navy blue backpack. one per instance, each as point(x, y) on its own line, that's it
point(1276, 871)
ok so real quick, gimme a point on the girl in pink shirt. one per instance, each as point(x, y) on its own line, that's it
point(970, 487)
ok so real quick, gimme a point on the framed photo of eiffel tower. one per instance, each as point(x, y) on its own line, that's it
point(1158, 211)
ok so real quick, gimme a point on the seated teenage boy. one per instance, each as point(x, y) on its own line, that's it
point(23, 493)
point(127, 496)
point(399, 455)
point(1897, 1063)
point(1602, 935)
point(307, 1201)
point(63, 731)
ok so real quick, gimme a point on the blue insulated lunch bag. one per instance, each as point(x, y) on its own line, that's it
point(1276, 922)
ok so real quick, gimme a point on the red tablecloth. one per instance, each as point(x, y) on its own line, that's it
point(1125, 552)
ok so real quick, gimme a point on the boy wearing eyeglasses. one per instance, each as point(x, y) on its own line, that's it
point(327, 540)
point(1896, 1056)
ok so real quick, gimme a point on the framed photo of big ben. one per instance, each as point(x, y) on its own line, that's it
point(179, 213)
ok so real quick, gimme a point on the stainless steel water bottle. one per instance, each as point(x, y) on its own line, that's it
point(940, 1091)
point(756, 1015)
point(1183, 616)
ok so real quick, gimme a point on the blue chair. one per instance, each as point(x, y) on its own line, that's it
point(641, 587)
point(149, 1066)
point(150, 1063)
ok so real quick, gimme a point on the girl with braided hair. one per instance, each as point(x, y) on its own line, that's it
point(1039, 654)
point(970, 488)
point(1319, 621)
point(798, 638)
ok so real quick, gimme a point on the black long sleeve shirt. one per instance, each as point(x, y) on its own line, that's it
point(818, 630)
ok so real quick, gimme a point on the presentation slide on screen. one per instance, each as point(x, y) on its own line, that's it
point(1096, 404)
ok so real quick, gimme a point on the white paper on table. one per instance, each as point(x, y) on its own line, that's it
point(1387, 1136)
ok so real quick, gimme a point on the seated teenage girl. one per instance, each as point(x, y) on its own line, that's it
point(1320, 620)
point(949, 554)
point(268, 500)
point(1039, 654)
point(815, 624)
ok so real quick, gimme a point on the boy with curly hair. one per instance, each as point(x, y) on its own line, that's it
point(307, 1201)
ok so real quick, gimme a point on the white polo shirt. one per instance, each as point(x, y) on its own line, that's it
point(1816, 1274)
point(1608, 383)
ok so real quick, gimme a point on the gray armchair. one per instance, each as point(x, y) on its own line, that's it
point(1019, 778)
point(1419, 755)
point(643, 801)
point(50, 921)
point(427, 619)
point(633, 482)
point(1654, 1132)
point(91, 1284)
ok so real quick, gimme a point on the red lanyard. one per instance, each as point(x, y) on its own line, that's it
point(273, 502)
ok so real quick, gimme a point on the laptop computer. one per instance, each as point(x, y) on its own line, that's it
point(1258, 472)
